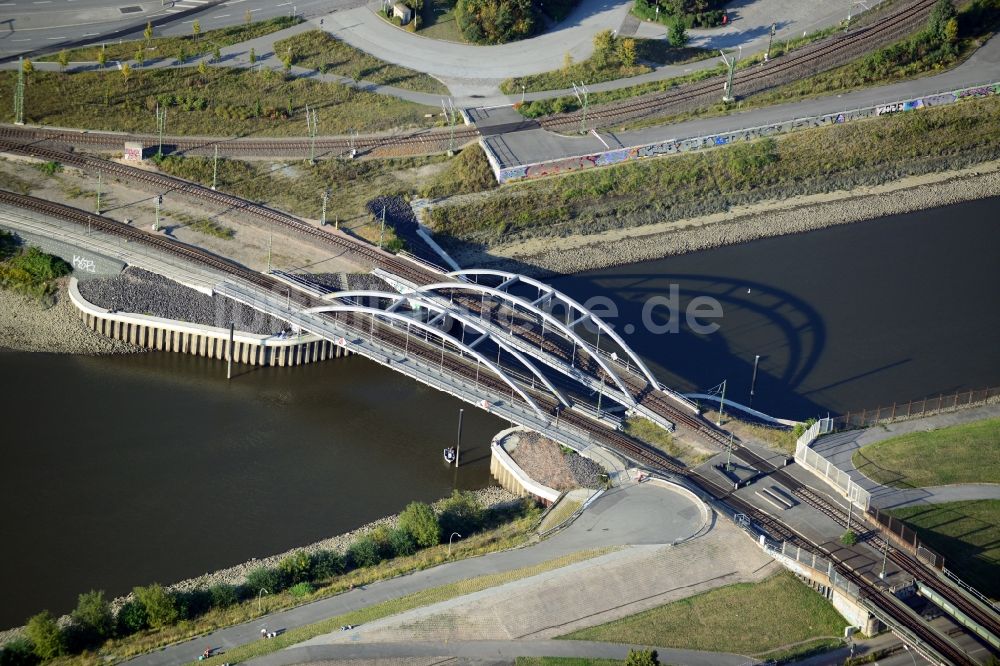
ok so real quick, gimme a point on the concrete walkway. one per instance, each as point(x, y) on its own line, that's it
point(839, 449)
point(619, 517)
point(505, 651)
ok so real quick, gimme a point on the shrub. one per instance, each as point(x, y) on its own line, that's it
point(46, 636)
point(222, 595)
point(93, 616)
point(401, 543)
point(419, 520)
point(364, 552)
point(161, 606)
point(642, 658)
point(50, 168)
point(192, 603)
point(132, 618)
point(461, 513)
point(302, 589)
point(849, 538)
point(677, 34)
point(326, 564)
point(18, 652)
point(264, 578)
point(296, 567)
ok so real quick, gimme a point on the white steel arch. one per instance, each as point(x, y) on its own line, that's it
point(511, 278)
point(347, 307)
point(466, 322)
point(547, 316)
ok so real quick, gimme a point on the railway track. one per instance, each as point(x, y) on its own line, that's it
point(633, 450)
point(797, 64)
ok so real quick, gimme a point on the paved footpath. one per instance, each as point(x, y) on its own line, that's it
point(619, 517)
point(839, 449)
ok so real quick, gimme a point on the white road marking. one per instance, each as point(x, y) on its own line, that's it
point(221, 16)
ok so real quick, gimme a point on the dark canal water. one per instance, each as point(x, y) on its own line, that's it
point(127, 470)
point(846, 318)
point(121, 471)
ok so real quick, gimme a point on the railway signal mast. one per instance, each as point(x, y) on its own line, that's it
point(19, 93)
point(727, 95)
point(583, 96)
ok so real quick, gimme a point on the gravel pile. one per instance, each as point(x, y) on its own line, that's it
point(28, 325)
point(399, 216)
point(142, 292)
point(544, 461)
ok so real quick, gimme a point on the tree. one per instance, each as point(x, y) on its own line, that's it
point(253, 56)
point(296, 567)
point(182, 54)
point(286, 62)
point(196, 29)
point(148, 32)
point(495, 21)
point(132, 617)
point(567, 61)
point(627, 52)
point(401, 542)
point(461, 513)
point(202, 69)
point(849, 538)
point(604, 47)
point(18, 652)
point(126, 73)
point(29, 67)
point(943, 12)
point(263, 578)
point(160, 605)
point(45, 635)
point(326, 564)
point(222, 595)
point(419, 520)
point(247, 17)
point(102, 57)
point(93, 615)
point(364, 552)
point(951, 31)
point(642, 658)
point(216, 54)
point(140, 56)
point(63, 59)
point(677, 34)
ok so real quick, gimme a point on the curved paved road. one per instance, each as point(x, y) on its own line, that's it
point(839, 448)
point(618, 517)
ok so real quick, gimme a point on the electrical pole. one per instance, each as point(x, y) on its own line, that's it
point(269, 238)
point(156, 204)
point(381, 233)
point(727, 95)
point(753, 382)
point(326, 195)
point(729, 454)
point(232, 343)
point(311, 126)
point(722, 402)
point(449, 115)
point(458, 445)
point(19, 93)
point(98, 192)
point(770, 39)
point(885, 554)
point(583, 96)
point(215, 167)
point(161, 123)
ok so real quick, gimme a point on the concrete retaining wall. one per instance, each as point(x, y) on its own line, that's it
point(85, 262)
point(208, 341)
point(513, 478)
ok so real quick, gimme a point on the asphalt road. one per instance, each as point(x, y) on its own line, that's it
point(27, 26)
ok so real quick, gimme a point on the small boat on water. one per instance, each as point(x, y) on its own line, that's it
point(449, 455)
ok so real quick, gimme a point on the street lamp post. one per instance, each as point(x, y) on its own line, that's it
point(753, 381)
point(453, 535)
point(259, 595)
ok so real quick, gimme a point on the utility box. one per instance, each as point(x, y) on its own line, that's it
point(134, 151)
point(403, 12)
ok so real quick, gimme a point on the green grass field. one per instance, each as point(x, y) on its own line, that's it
point(221, 102)
point(968, 453)
point(746, 618)
point(320, 50)
point(967, 534)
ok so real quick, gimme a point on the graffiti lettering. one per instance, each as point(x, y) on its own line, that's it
point(82, 264)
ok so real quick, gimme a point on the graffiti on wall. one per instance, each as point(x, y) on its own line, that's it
point(671, 146)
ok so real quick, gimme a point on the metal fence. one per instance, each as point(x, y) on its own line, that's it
point(820, 564)
point(905, 536)
point(916, 408)
point(822, 467)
